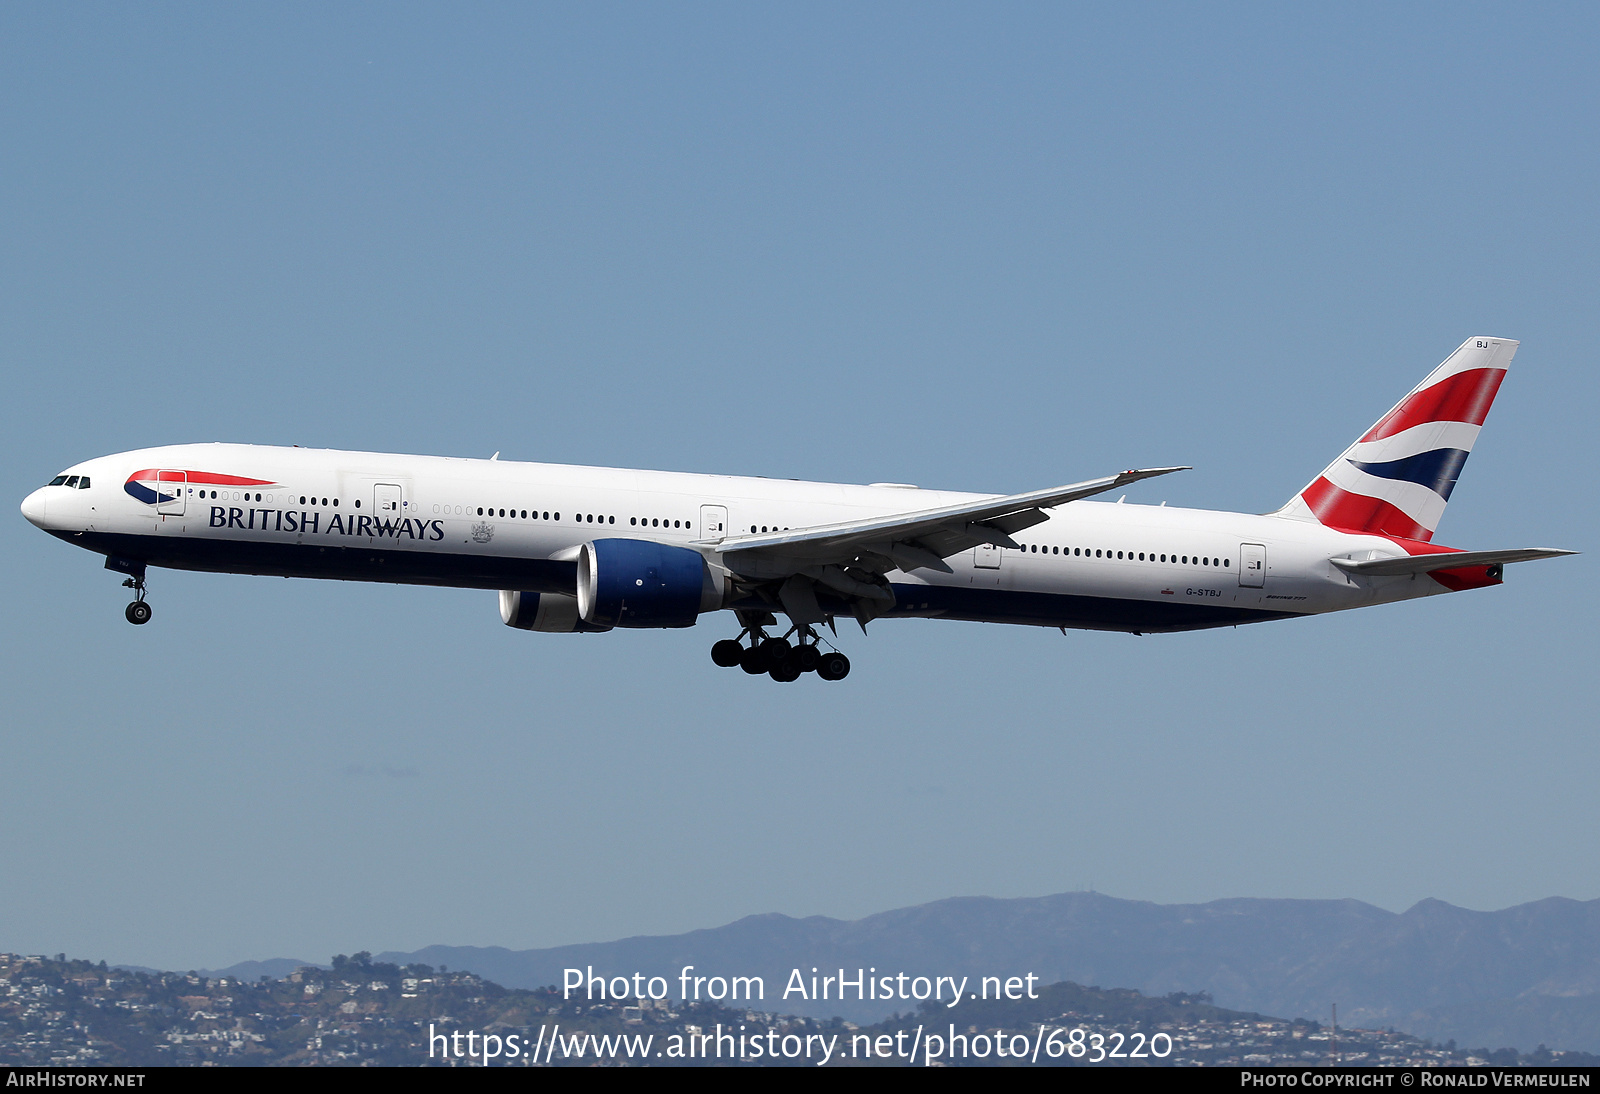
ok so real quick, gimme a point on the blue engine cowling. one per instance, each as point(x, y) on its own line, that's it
point(553, 612)
point(638, 583)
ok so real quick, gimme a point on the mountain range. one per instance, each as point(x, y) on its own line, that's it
point(1519, 977)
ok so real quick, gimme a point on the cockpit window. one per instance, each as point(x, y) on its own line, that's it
point(58, 480)
point(72, 482)
point(83, 483)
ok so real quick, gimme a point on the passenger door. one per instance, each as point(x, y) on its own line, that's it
point(388, 506)
point(171, 486)
point(387, 501)
point(713, 522)
point(1252, 565)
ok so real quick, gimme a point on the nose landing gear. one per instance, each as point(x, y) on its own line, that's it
point(138, 612)
point(776, 657)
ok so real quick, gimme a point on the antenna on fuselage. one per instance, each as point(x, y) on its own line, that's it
point(494, 457)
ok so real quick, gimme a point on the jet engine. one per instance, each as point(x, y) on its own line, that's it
point(638, 583)
point(552, 612)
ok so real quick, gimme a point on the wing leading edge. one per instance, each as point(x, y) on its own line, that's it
point(850, 558)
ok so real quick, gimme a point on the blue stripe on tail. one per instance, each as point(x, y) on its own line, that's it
point(1437, 470)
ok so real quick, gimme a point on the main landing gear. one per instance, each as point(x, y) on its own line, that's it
point(777, 658)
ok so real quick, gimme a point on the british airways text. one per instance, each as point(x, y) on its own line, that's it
point(353, 524)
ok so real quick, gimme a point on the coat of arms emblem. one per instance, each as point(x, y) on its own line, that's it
point(482, 533)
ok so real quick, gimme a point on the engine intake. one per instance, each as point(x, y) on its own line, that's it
point(638, 583)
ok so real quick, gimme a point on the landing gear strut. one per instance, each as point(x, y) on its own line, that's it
point(776, 657)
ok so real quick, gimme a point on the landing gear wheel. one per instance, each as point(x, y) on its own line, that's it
point(834, 666)
point(138, 613)
point(775, 650)
point(754, 661)
point(808, 658)
point(786, 671)
point(726, 654)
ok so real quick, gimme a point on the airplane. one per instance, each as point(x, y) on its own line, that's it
point(584, 549)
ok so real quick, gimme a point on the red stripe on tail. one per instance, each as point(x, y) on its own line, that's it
point(1339, 508)
point(1464, 397)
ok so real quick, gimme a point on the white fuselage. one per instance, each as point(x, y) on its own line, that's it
point(492, 524)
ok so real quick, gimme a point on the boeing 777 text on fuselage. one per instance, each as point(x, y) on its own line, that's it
point(591, 548)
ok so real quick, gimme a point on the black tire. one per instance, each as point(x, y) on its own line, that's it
point(808, 657)
point(754, 661)
point(138, 613)
point(726, 654)
point(834, 666)
point(786, 671)
point(775, 650)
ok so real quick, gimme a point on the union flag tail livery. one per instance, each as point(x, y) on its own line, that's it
point(1396, 479)
point(585, 549)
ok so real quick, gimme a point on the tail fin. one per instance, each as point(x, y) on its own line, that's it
point(1396, 479)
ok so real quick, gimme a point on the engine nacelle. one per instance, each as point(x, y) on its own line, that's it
point(638, 583)
point(552, 612)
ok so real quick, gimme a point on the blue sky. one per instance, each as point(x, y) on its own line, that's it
point(974, 247)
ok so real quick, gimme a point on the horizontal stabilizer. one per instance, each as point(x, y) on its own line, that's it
point(1444, 560)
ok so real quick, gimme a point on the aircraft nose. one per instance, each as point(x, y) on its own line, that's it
point(33, 507)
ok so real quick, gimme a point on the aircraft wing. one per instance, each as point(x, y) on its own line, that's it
point(850, 558)
point(1447, 560)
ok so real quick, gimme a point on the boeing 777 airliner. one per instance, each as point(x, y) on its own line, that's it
point(590, 548)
